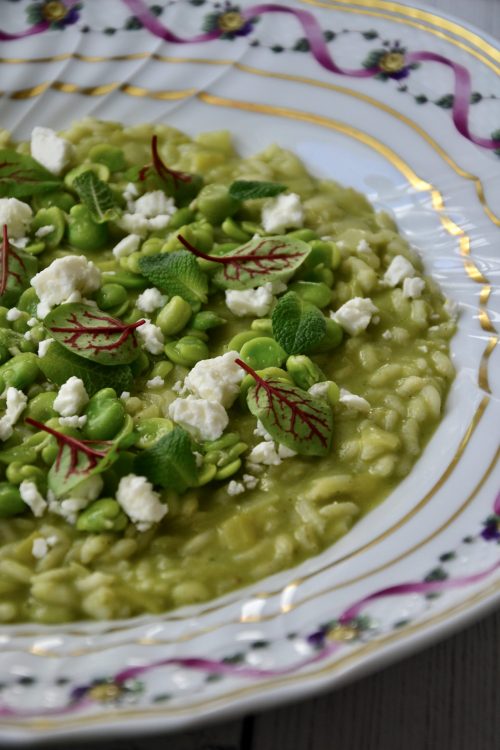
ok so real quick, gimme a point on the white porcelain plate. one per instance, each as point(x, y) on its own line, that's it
point(403, 105)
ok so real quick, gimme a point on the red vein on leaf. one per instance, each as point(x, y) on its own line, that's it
point(116, 326)
point(6, 251)
point(161, 168)
point(75, 446)
point(19, 175)
point(276, 391)
point(238, 261)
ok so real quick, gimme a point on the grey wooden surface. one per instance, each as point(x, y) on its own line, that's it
point(446, 698)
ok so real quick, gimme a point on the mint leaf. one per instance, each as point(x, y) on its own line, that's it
point(97, 196)
point(256, 262)
point(92, 334)
point(22, 176)
point(245, 190)
point(297, 325)
point(170, 462)
point(59, 364)
point(176, 274)
point(16, 269)
point(290, 415)
point(76, 459)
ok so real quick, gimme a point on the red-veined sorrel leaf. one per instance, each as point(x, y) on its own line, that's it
point(15, 268)
point(256, 262)
point(92, 334)
point(76, 459)
point(290, 415)
point(180, 185)
point(22, 176)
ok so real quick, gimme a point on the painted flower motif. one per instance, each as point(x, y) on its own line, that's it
point(390, 62)
point(336, 631)
point(228, 20)
point(57, 13)
point(106, 691)
point(491, 530)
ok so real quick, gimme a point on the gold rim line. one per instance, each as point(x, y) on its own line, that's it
point(43, 724)
point(430, 18)
point(102, 90)
point(483, 381)
point(484, 318)
point(46, 653)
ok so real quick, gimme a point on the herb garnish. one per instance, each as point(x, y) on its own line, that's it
point(178, 274)
point(170, 462)
point(245, 190)
point(256, 262)
point(92, 334)
point(76, 459)
point(290, 415)
point(97, 196)
point(22, 176)
point(297, 325)
point(180, 185)
point(14, 271)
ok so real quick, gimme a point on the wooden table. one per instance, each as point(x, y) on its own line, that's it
point(446, 698)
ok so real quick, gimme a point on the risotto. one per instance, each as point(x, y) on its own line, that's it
point(210, 367)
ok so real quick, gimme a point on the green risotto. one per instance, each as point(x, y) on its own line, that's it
point(210, 367)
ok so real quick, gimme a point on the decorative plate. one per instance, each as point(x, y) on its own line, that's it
point(403, 105)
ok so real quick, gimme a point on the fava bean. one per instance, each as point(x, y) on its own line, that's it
point(161, 369)
point(59, 198)
point(227, 471)
point(102, 515)
point(112, 157)
point(28, 301)
point(215, 203)
point(18, 471)
point(262, 326)
point(183, 216)
point(174, 316)
point(186, 351)
point(100, 170)
point(53, 217)
point(41, 407)
point(140, 365)
point(240, 339)
point(332, 337)
point(152, 429)
point(262, 352)
point(126, 279)
point(83, 232)
point(111, 295)
point(105, 415)
point(304, 371)
point(306, 235)
point(11, 503)
point(233, 230)
point(205, 320)
point(316, 293)
point(20, 371)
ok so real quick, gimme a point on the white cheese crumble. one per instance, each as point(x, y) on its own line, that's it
point(43, 347)
point(127, 246)
point(151, 211)
point(140, 502)
point(155, 382)
point(320, 390)
point(130, 191)
point(53, 152)
point(72, 397)
point(20, 243)
point(13, 314)
point(363, 246)
point(125, 395)
point(265, 453)
point(81, 496)
point(33, 499)
point(283, 212)
point(151, 336)
point(32, 322)
point(261, 431)
point(352, 401)
point(235, 488)
point(250, 481)
point(400, 268)
point(285, 452)
point(39, 548)
point(63, 278)
point(205, 420)
point(150, 299)
point(355, 315)
point(250, 301)
point(16, 402)
point(44, 231)
point(216, 379)
point(413, 286)
point(74, 421)
point(17, 215)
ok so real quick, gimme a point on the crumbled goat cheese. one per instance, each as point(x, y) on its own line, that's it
point(284, 452)
point(130, 191)
point(149, 212)
point(250, 481)
point(216, 379)
point(73, 421)
point(235, 488)
point(387, 335)
point(283, 212)
point(44, 231)
point(198, 458)
point(265, 453)
point(320, 390)
point(151, 336)
point(150, 299)
point(53, 152)
point(140, 502)
point(179, 387)
point(155, 382)
point(14, 314)
point(32, 498)
point(20, 243)
point(127, 246)
point(32, 322)
point(39, 548)
point(125, 395)
point(250, 301)
point(261, 431)
point(363, 246)
point(413, 286)
point(27, 335)
point(400, 268)
point(15, 404)
point(355, 315)
point(354, 402)
point(205, 420)
point(64, 277)
point(81, 496)
point(17, 215)
point(43, 347)
point(72, 397)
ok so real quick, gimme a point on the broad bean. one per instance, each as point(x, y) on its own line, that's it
point(105, 415)
point(83, 232)
point(186, 351)
point(174, 316)
point(102, 515)
point(215, 203)
point(317, 293)
point(262, 352)
point(11, 503)
point(304, 371)
point(20, 371)
point(111, 295)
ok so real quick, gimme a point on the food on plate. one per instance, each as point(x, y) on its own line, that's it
point(210, 367)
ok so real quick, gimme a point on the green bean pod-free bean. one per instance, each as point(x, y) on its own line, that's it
point(11, 503)
point(174, 316)
point(102, 515)
point(262, 352)
point(304, 371)
point(215, 203)
point(111, 295)
point(186, 351)
point(20, 371)
point(105, 415)
point(83, 232)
